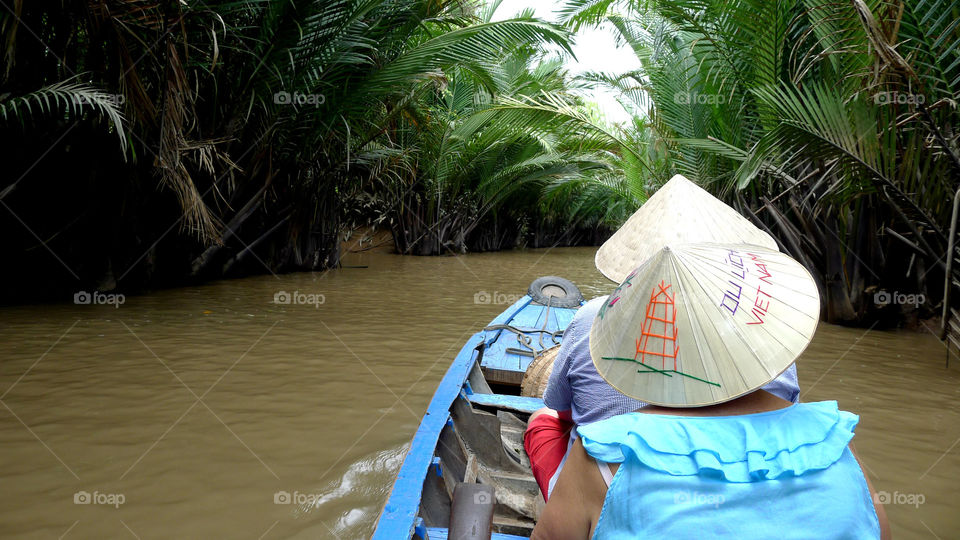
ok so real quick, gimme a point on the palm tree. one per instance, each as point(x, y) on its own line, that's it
point(825, 123)
point(262, 119)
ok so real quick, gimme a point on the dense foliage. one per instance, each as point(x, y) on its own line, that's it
point(151, 142)
point(833, 125)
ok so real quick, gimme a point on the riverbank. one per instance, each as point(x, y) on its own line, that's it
point(369, 238)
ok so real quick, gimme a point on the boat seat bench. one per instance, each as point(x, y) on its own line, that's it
point(505, 401)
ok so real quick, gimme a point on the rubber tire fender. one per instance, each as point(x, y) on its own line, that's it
point(572, 297)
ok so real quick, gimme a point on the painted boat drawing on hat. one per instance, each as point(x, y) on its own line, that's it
point(661, 311)
point(698, 324)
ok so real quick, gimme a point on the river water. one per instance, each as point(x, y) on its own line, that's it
point(214, 412)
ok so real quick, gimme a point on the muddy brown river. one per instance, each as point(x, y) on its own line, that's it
point(214, 412)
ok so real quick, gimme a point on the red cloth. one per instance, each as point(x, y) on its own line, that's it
point(546, 441)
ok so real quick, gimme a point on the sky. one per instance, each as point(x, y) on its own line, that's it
point(595, 48)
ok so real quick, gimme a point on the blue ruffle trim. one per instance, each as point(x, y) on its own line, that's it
point(787, 442)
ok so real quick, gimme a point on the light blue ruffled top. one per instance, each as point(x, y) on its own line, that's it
point(780, 474)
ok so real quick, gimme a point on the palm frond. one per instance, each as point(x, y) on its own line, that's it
point(70, 98)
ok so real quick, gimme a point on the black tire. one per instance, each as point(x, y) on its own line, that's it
point(543, 290)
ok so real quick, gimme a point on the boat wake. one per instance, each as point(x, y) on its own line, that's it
point(348, 506)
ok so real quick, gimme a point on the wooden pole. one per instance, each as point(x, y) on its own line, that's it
point(948, 278)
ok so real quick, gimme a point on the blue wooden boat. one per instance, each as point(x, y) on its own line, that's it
point(467, 456)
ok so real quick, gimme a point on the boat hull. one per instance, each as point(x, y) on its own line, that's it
point(470, 433)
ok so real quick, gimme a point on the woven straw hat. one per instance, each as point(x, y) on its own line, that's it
point(700, 324)
point(679, 212)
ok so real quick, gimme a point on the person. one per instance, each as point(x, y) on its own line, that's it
point(715, 455)
point(588, 502)
point(577, 395)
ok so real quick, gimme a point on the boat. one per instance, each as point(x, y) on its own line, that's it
point(466, 474)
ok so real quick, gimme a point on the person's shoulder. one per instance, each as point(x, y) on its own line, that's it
point(578, 331)
point(575, 350)
point(588, 311)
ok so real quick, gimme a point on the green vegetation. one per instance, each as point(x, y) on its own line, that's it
point(152, 143)
point(156, 142)
point(830, 124)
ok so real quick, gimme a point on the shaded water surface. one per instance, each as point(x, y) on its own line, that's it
point(215, 412)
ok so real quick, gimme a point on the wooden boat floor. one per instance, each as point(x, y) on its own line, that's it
point(502, 363)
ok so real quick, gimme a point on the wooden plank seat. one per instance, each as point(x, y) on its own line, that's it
point(508, 402)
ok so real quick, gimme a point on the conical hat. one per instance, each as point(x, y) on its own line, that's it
point(699, 324)
point(679, 212)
